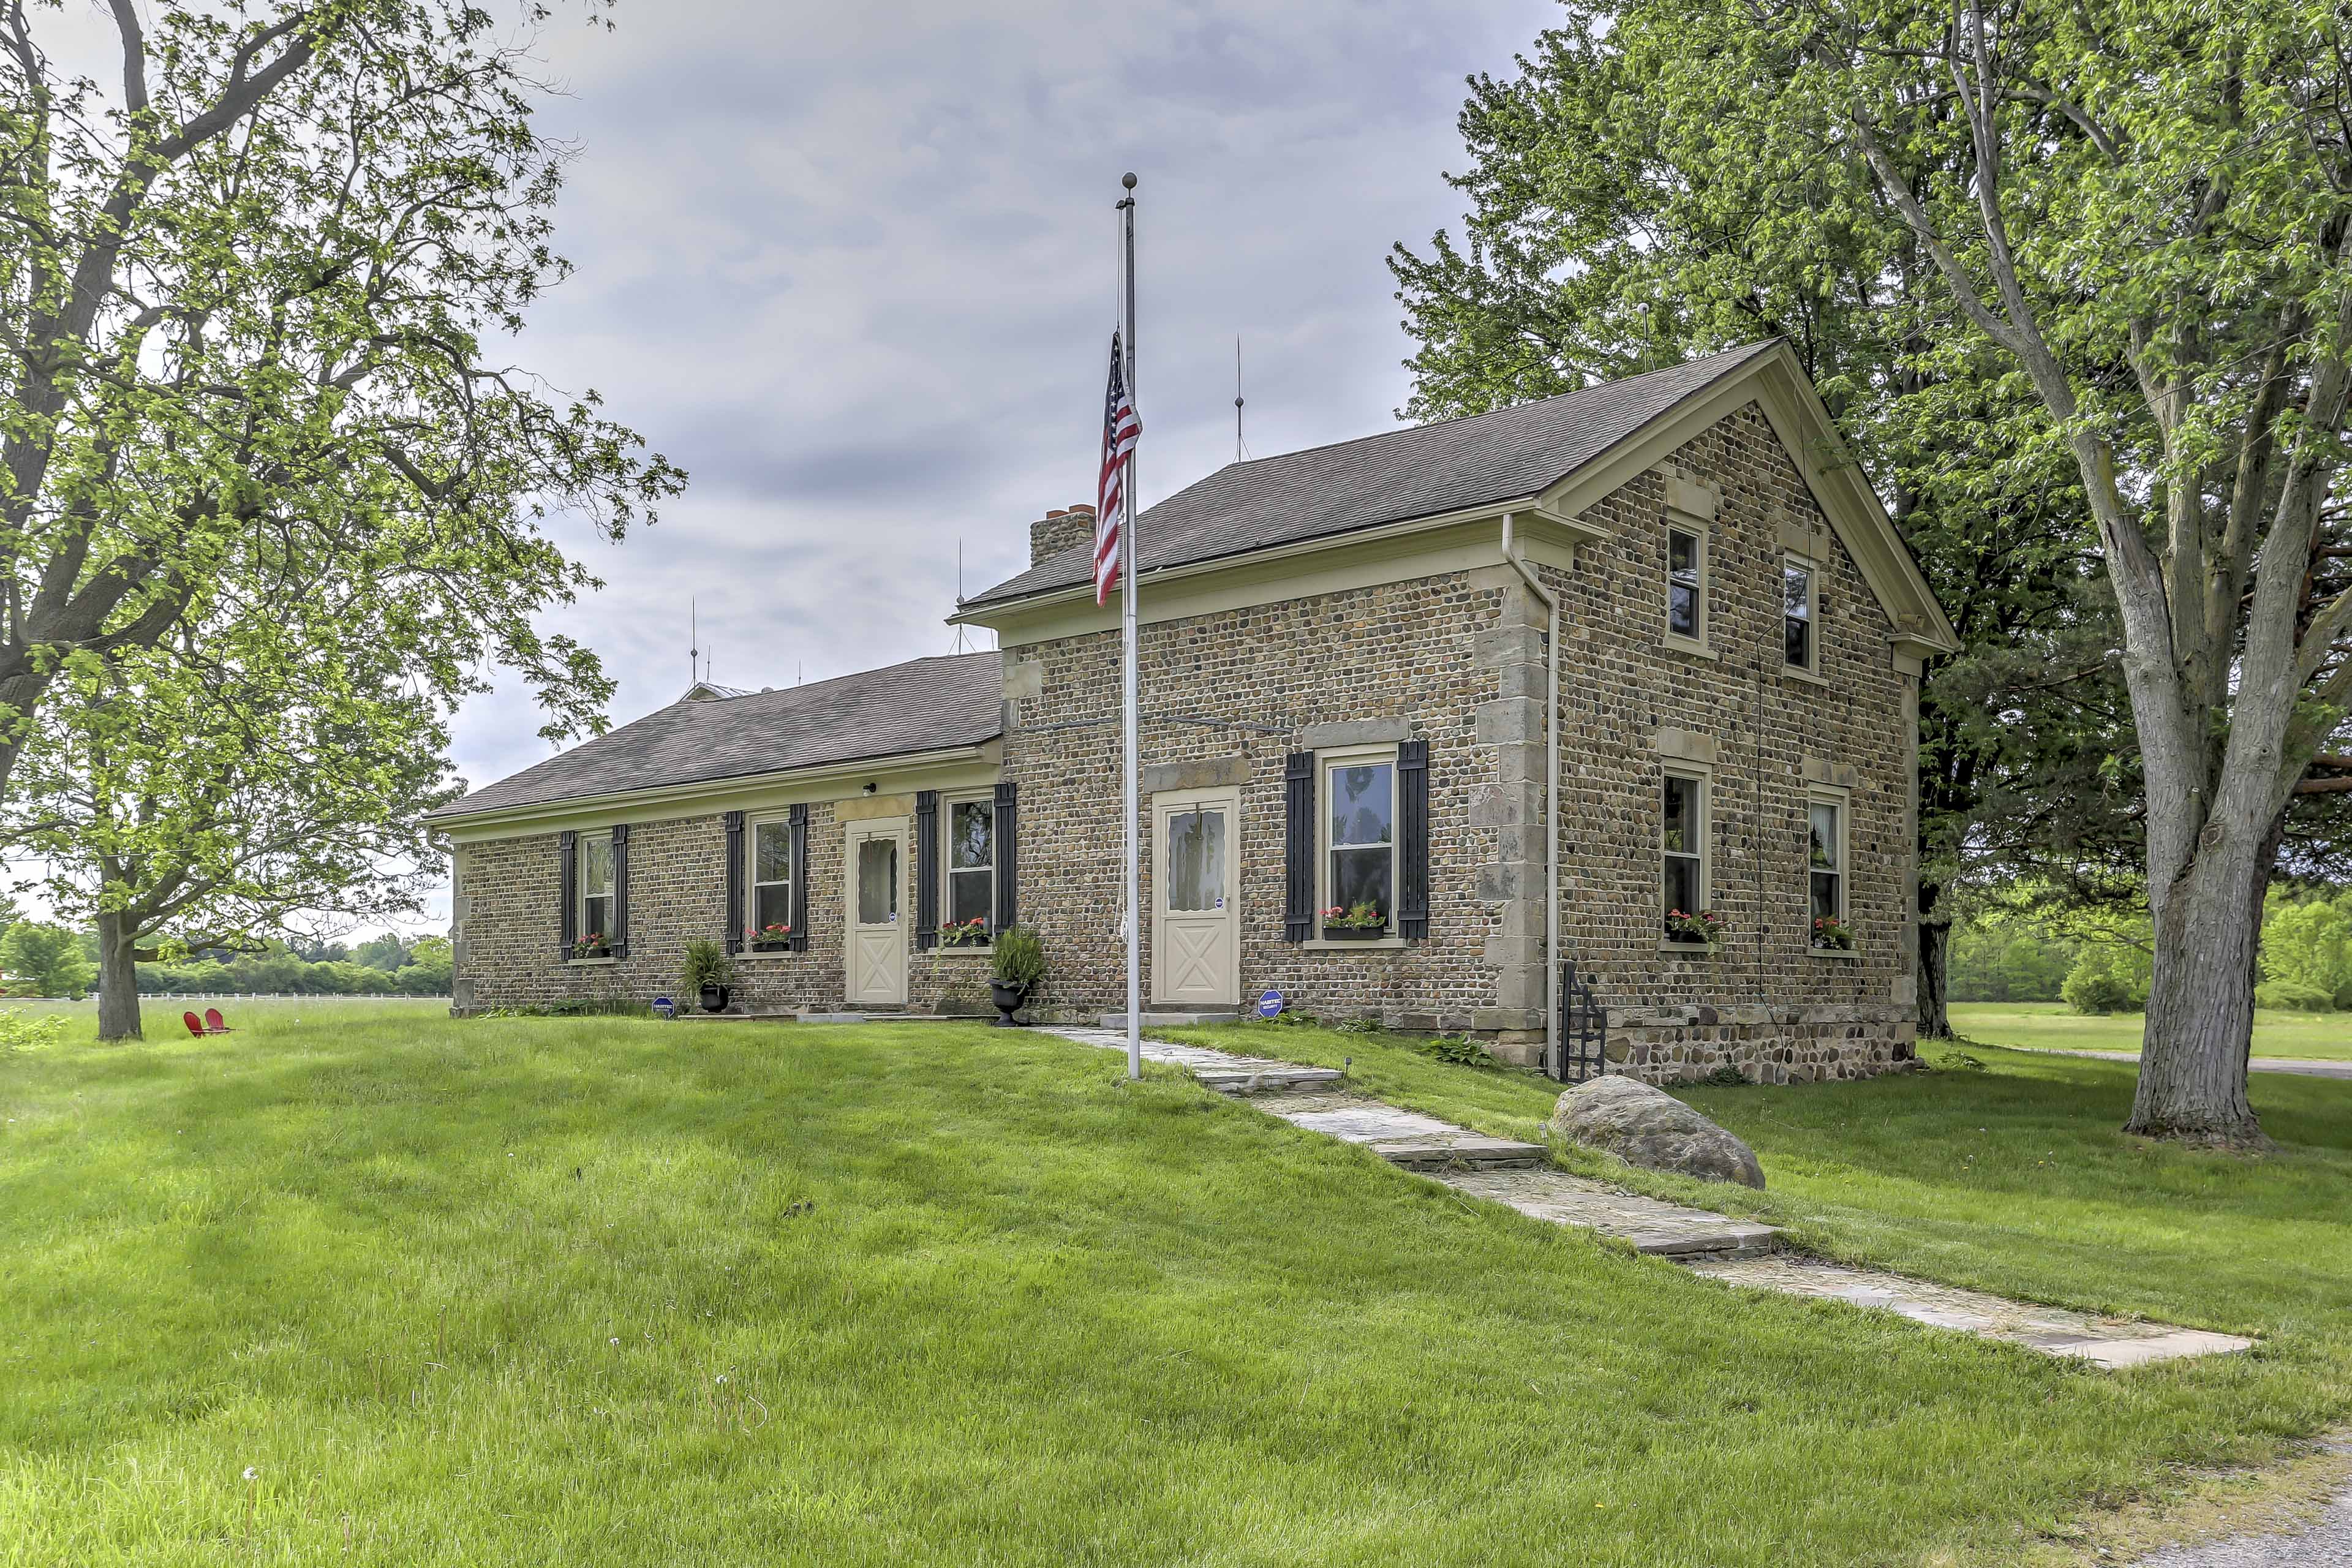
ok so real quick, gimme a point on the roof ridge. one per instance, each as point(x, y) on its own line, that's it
point(1504, 408)
point(737, 695)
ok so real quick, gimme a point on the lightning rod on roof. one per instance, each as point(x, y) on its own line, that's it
point(1241, 452)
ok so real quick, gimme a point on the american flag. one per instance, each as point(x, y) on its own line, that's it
point(1120, 428)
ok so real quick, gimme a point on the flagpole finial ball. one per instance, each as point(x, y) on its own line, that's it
point(1127, 180)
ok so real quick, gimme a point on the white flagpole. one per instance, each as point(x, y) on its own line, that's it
point(1127, 649)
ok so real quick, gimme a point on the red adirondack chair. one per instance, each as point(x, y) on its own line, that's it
point(195, 1025)
point(214, 1023)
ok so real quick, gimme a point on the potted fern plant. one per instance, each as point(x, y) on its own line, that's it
point(710, 973)
point(1017, 963)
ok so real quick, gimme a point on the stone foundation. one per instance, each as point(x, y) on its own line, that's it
point(1766, 1043)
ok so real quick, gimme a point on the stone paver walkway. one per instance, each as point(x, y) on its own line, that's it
point(2110, 1341)
point(1737, 1252)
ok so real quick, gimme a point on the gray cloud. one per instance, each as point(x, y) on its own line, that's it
point(854, 265)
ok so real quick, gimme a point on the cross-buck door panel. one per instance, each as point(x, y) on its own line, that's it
point(1195, 906)
point(875, 957)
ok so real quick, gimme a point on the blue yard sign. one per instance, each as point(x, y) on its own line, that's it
point(666, 1007)
point(1270, 1004)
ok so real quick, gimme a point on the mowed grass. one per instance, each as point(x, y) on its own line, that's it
point(2002, 1169)
point(2053, 1026)
point(622, 1292)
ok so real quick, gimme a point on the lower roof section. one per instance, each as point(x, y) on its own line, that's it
point(925, 707)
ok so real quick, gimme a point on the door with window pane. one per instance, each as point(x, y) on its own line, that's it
point(875, 959)
point(1196, 907)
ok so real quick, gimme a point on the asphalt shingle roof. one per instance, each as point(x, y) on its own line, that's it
point(1421, 471)
point(925, 705)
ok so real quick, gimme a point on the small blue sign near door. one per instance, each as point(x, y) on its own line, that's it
point(1270, 1004)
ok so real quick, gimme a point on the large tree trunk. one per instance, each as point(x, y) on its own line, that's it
point(2200, 1002)
point(118, 980)
point(1934, 980)
point(1935, 963)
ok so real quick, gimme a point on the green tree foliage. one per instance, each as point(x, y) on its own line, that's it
point(182, 804)
point(43, 960)
point(277, 970)
point(2307, 944)
point(253, 305)
point(1605, 237)
point(2132, 219)
point(386, 952)
point(2108, 979)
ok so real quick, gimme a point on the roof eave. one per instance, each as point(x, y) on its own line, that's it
point(987, 612)
point(661, 795)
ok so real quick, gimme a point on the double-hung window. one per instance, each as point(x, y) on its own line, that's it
point(1360, 835)
point(1682, 852)
point(594, 880)
point(1825, 852)
point(972, 867)
point(1800, 616)
point(771, 882)
point(1686, 584)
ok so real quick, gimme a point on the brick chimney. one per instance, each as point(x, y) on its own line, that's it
point(1059, 530)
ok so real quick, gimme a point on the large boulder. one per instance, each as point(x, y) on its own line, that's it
point(1648, 1127)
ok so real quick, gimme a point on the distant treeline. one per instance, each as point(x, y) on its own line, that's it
point(43, 960)
point(2306, 959)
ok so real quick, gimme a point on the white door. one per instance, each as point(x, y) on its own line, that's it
point(876, 948)
point(1195, 905)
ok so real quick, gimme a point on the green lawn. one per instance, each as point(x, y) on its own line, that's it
point(622, 1292)
point(2051, 1025)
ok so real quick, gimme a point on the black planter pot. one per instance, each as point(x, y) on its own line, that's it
point(1008, 999)
point(1354, 933)
point(714, 998)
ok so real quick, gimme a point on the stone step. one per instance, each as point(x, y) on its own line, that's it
point(1461, 1151)
point(1170, 1020)
point(1268, 1079)
point(1649, 1225)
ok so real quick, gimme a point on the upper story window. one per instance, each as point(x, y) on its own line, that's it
point(971, 871)
point(1686, 584)
point(1799, 615)
point(1682, 850)
point(594, 880)
point(1360, 835)
point(771, 881)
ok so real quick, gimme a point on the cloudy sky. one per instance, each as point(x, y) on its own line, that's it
point(853, 267)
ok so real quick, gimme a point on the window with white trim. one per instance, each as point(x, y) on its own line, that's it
point(970, 862)
point(1799, 615)
point(1686, 582)
point(594, 878)
point(771, 881)
point(1359, 838)
point(1825, 872)
point(1681, 853)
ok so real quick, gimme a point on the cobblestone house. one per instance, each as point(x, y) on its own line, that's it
point(1346, 658)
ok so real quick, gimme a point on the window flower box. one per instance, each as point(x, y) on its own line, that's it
point(1833, 934)
point(1702, 931)
point(1361, 923)
point(777, 938)
point(972, 932)
point(592, 946)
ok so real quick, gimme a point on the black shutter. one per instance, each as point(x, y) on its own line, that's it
point(567, 890)
point(1008, 854)
point(927, 867)
point(1412, 840)
point(619, 936)
point(1298, 846)
point(799, 852)
point(734, 882)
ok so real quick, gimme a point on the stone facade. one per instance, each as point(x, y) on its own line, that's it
point(508, 951)
point(1459, 658)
